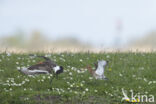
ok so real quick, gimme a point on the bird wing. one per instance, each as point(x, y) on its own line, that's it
point(100, 71)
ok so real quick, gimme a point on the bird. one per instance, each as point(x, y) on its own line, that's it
point(46, 67)
point(100, 68)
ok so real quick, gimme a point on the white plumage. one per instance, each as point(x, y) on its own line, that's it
point(100, 68)
point(99, 73)
point(32, 72)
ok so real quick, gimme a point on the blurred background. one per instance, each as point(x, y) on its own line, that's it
point(77, 25)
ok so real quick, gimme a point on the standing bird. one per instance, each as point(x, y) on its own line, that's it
point(46, 67)
point(100, 68)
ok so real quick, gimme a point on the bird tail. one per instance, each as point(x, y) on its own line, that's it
point(90, 69)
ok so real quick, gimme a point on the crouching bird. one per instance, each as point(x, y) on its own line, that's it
point(46, 67)
point(100, 68)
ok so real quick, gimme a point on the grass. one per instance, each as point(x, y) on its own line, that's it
point(131, 71)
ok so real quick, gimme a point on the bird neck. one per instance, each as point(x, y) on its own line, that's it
point(100, 67)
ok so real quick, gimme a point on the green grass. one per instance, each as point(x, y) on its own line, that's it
point(131, 71)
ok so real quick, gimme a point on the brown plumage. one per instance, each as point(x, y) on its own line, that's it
point(99, 72)
point(48, 66)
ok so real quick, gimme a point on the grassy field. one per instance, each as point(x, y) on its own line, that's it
point(129, 71)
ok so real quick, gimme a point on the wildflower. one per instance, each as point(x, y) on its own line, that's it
point(27, 80)
point(84, 92)
point(18, 58)
point(43, 77)
point(81, 60)
point(10, 89)
point(81, 85)
point(90, 78)
point(86, 89)
point(83, 81)
point(75, 92)
point(23, 82)
point(78, 71)
point(150, 82)
point(48, 77)
point(1, 70)
point(34, 61)
point(71, 85)
point(70, 73)
point(107, 56)
point(18, 68)
point(95, 91)
point(120, 75)
point(19, 84)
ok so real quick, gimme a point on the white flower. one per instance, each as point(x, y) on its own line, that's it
point(23, 82)
point(81, 60)
point(78, 71)
point(95, 91)
point(90, 78)
point(86, 89)
point(18, 58)
point(34, 61)
point(150, 82)
point(43, 77)
point(75, 92)
point(48, 77)
point(120, 75)
point(83, 81)
point(17, 62)
point(107, 56)
point(18, 68)
point(19, 84)
point(70, 73)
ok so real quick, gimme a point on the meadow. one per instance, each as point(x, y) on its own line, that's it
point(129, 71)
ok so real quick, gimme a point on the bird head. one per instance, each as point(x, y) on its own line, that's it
point(102, 63)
